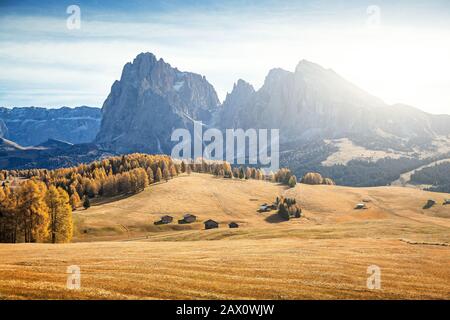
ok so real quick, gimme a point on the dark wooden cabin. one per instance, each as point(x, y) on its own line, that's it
point(187, 218)
point(164, 220)
point(211, 224)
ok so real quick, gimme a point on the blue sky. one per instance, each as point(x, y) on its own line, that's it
point(399, 52)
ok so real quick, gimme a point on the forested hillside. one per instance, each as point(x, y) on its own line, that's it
point(438, 176)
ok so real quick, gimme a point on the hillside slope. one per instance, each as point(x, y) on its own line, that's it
point(392, 212)
point(323, 255)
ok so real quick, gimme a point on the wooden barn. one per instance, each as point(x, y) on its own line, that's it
point(233, 225)
point(211, 224)
point(187, 218)
point(164, 220)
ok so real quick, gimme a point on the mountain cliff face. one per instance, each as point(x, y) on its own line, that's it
point(326, 123)
point(32, 126)
point(149, 102)
point(313, 103)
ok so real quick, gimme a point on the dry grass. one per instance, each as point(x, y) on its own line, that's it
point(241, 269)
point(323, 255)
point(203, 195)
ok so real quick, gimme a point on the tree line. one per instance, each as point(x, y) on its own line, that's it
point(33, 212)
point(438, 176)
point(38, 209)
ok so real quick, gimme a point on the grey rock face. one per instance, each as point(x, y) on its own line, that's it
point(310, 104)
point(149, 102)
point(32, 126)
point(313, 103)
point(3, 129)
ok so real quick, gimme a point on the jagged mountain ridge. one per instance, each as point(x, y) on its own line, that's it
point(314, 103)
point(319, 114)
point(30, 126)
point(310, 104)
point(149, 102)
point(324, 120)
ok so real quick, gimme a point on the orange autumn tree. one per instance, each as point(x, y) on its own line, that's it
point(60, 215)
point(32, 211)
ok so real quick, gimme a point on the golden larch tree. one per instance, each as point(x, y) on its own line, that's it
point(33, 211)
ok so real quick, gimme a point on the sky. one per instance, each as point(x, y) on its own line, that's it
point(397, 52)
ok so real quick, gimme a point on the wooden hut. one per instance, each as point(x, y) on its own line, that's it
point(187, 218)
point(211, 224)
point(164, 220)
point(233, 225)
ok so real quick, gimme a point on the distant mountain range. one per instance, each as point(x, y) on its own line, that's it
point(311, 104)
point(326, 123)
point(314, 103)
point(30, 126)
point(50, 154)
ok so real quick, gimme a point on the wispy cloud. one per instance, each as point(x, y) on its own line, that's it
point(405, 60)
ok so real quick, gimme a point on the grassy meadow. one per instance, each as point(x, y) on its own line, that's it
point(323, 255)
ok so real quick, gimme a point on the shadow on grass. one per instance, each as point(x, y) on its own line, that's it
point(274, 218)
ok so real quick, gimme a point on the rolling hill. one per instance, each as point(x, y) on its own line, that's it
point(324, 254)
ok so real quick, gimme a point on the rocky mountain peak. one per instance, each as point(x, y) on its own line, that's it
point(150, 100)
point(308, 66)
point(241, 90)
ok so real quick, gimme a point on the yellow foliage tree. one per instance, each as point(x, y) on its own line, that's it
point(60, 214)
point(75, 201)
point(33, 211)
point(158, 175)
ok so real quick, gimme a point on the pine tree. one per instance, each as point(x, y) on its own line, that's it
point(124, 182)
point(8, 216)
point(64, 223)
point(86, 202)
point(292, 181)
point(241, 173)
point(158, 175)
point(33, 211)
point(75, 201)
point(150, 175)
point(52, 199)
point(272, 177)
point(60, 213)
point(173, 171)
point(248, 173)
point(166, 174)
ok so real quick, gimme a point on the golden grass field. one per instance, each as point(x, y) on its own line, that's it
point(323, 255)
